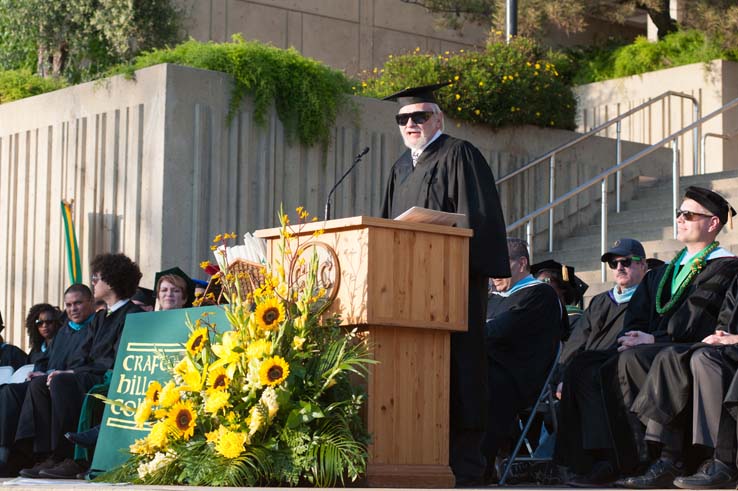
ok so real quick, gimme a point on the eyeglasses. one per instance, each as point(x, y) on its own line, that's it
point(418, 117)
point(95, 278)
point(613, 263)
point(691, 216)
point(45, 321)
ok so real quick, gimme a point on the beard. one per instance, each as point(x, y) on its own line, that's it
point(416, 144)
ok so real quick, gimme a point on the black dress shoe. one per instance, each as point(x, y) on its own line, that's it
point(66, 469)
point(33, 472)
point(602, 474)
point(86, 439)
point(712, 474)
point(660, 475)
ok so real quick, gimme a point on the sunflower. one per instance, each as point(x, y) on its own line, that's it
point(273, 371)
point(182, 418)
point(259, 348)
point(216, 400)
point(169, 395)
point(143, 411)
point(269, 314)
point(197, 341)
point(218, 379)
point(152, 393)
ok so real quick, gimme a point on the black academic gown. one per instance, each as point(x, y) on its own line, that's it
point(622, 375)
point(522, 335)
point(12, 356)
point(452, 175)
point(66, 341)
point(49, 412)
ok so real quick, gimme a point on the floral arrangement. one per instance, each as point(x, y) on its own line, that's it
point(267, 401)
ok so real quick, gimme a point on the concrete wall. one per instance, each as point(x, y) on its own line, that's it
point(156, 171)
point(712, 84)
point(356, 35)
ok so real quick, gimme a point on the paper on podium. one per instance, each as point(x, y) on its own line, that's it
point(418, 214)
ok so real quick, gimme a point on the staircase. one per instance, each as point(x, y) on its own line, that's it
point(648, 218)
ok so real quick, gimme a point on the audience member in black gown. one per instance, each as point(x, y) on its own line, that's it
point(525, 321)
point(79, 313)
point(10, 355)
point(52, 409)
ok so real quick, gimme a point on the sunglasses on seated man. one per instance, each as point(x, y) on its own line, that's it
point(418, 117)
point(626, 262)
point(691, 216)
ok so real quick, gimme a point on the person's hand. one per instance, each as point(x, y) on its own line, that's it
point(559, 388)
point(721, 337)
point(634, 338)
point(54, 374)
point(34, 375)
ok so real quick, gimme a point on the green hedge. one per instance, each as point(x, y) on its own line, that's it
point(641, 56)
point(506, 84)
point(18, 84)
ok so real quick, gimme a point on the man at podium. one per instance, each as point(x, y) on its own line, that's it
point(444, 173)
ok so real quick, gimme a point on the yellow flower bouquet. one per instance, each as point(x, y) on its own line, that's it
point(267, 400)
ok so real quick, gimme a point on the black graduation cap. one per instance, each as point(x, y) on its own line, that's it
point(565, 274)
point(415, 95)
point(188, 281)
point(712, 201)
point(145, 296)
point(2, 324)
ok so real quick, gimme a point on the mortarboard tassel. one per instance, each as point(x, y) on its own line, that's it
point(564, 273)
point(730, 218)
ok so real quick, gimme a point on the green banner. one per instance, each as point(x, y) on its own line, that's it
point(75, 266)
point(137, 364)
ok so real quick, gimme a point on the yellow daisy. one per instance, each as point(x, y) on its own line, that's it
point(143, 411)
point(269, 314)
point(274, 371)
point(216, 400)
point(169, 395)
point(197, 341)
point(218, 379)
point(258, 349)
point(182, 418)
point(152, 393)
point(159, 435)
point(231, 444)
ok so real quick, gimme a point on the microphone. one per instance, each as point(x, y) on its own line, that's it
point(357, 159)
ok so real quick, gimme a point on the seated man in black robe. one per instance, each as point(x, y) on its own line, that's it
point(696, 381)
point(52, 404)
point(440, 172)
point(668, 307)
point(10, 355)
point(79, 310)
point(525, 321)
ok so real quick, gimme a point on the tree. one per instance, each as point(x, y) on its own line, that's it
point(719, 18)
point(80, 38)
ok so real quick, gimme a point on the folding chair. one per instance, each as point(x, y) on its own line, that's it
point(544, 404)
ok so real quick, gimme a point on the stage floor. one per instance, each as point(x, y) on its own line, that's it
point(18, 484)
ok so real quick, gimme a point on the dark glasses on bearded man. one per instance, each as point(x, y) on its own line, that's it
point(418, 117)
point(626, 262)
point(690, 216)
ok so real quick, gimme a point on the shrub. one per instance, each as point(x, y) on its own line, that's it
point(505, 84)
point(17, 84)
point(307, 94)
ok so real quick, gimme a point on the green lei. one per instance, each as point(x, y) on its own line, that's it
point(695, 265)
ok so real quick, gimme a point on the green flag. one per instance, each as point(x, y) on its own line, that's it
point(75, 267)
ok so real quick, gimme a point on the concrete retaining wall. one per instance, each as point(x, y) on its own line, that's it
point(156, 171)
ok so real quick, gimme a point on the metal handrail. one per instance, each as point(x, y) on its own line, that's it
point(729, 136)
point(601, 178)
point(617, 121)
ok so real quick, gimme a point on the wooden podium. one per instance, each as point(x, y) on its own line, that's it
point(405, 285)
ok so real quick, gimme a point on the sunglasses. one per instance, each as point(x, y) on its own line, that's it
point(45, 321)
point(691, 216)
point(613, 263)
point(418, 117)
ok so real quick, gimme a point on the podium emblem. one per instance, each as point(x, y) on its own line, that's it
point(328, 278)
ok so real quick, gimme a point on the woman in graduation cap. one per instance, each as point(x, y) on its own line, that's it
point(174, 289)
point(443, 173)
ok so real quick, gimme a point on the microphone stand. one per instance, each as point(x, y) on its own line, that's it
point(357, 159)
